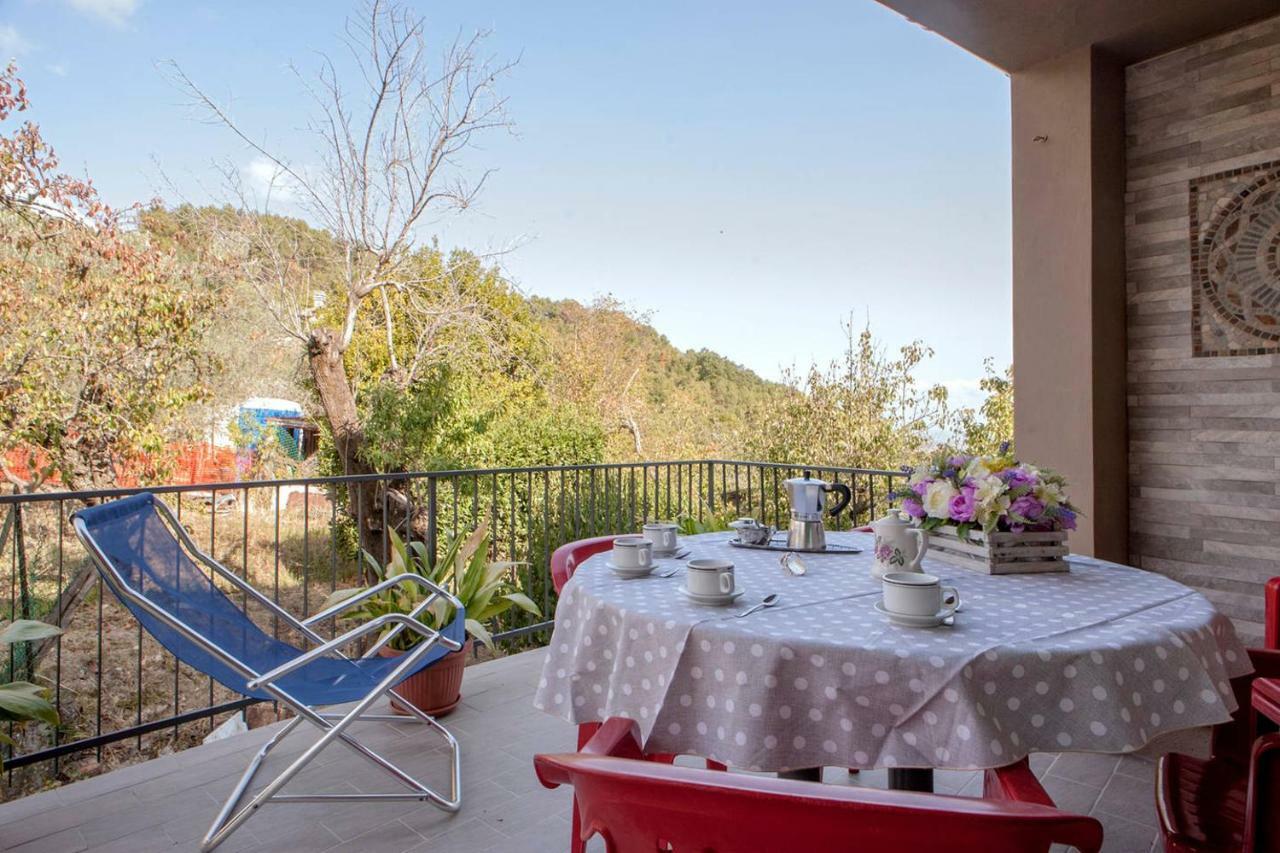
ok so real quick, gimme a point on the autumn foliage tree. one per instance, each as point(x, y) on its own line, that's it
point(101, 343)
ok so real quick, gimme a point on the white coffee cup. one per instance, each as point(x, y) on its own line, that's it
point(663, 535)
point(916, 594)
point(632, 552)
point(709, 577)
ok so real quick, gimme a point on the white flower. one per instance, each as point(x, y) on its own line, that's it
point(1049, 494)
point(988, 489)
point(938, 497)
point(977, 469)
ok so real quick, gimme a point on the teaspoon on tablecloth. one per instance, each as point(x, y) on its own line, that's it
point(768, 601)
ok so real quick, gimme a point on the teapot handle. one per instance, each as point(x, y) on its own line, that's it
point(922, 545)
point(846, 495)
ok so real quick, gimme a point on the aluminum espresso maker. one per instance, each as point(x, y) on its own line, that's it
point(808, 498)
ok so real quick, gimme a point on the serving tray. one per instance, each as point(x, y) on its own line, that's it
point(782, 546)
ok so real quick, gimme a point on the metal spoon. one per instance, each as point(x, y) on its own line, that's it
point(666, 574)
point(768, 601)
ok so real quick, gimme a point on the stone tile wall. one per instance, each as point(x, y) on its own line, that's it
point(1204, 429)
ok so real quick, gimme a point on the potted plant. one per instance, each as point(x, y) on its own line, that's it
point(485, 590)
point(22, 700)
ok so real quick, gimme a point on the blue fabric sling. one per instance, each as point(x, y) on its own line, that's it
point(140, 546)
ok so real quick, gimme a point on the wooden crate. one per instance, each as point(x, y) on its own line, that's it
point(1001, 553)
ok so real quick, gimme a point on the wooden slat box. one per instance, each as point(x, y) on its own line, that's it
point(1001, 553)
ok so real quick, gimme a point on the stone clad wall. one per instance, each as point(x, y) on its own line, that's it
point(1203, 134)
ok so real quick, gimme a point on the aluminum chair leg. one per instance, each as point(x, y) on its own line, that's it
point(229, 820)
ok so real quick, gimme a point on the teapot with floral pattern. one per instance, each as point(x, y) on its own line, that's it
point(900, 545)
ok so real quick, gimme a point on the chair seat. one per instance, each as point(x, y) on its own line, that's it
point(332, 681)
point(1202, 803)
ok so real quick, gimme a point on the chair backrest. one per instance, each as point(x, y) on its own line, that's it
point(566, 559)
point(1262, 818)
point(639, 806)
point(139, 557)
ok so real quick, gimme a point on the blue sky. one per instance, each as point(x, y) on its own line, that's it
point(747, 172)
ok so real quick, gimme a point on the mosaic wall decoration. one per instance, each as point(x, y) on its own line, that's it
point(1235, 262)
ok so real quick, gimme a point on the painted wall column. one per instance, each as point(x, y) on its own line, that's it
point(1069, 286)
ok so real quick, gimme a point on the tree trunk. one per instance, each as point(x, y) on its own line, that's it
point(339, 403)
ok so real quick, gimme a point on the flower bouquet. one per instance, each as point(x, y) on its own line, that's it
point(991, 511)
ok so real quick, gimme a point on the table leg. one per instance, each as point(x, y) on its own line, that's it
point(804, 774)
point(911, 779)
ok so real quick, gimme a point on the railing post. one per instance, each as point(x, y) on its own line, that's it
point(432, 531)
point(711, 488)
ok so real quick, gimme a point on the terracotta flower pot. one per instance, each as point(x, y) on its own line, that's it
point(437, 689)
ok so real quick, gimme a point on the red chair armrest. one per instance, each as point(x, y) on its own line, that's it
point(1015, 783)
point(1271, 595)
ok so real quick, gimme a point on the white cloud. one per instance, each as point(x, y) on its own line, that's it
point(56, 68)
point(115, 12)
point(964, 392)
point(12, 44)
point(268, 181)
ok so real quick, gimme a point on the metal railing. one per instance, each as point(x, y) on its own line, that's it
point(121, 696)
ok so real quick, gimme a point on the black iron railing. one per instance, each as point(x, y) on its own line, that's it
point(121, 696)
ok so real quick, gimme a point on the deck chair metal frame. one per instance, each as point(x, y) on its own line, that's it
point(333, 726)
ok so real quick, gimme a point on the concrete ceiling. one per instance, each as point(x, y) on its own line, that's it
point(1016, 34)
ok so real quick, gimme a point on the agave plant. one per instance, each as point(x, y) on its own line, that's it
point(485, 589)
point(22, 700)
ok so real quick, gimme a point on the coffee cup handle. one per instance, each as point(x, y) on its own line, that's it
point(950, 600)
point(922, 541)
point(726, 583)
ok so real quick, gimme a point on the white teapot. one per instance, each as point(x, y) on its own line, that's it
point(900, 546)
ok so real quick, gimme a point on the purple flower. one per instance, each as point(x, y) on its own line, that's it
point(1027, 507)
point(883, 552)
point(1066, 518)
point(963, 507)
point(913, 507)
point(921, 487)
point(1017, 478)
point(958, 461)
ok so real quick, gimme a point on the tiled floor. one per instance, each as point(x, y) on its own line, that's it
point(167, 804)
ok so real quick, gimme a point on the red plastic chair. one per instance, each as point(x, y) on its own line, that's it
point(566, 559)
point(1230, 802)
point(639, 807)
point(564, 562)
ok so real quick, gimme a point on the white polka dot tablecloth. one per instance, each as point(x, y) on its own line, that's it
point(1100, 659)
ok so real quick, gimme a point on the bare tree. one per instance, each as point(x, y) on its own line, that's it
point(388, 160)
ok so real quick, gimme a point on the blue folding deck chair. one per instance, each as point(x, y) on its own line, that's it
point(133, 543)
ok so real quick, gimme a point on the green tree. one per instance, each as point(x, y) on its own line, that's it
point(985, 430)
point(865, 410)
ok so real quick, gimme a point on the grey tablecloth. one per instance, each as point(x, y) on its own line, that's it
point(1100, 659)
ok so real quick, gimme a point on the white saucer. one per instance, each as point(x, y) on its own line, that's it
point(631, 572)
point(671, 555)
point(908, 620)
point(716, 600)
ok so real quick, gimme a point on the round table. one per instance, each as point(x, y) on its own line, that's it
point(1102, 658)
